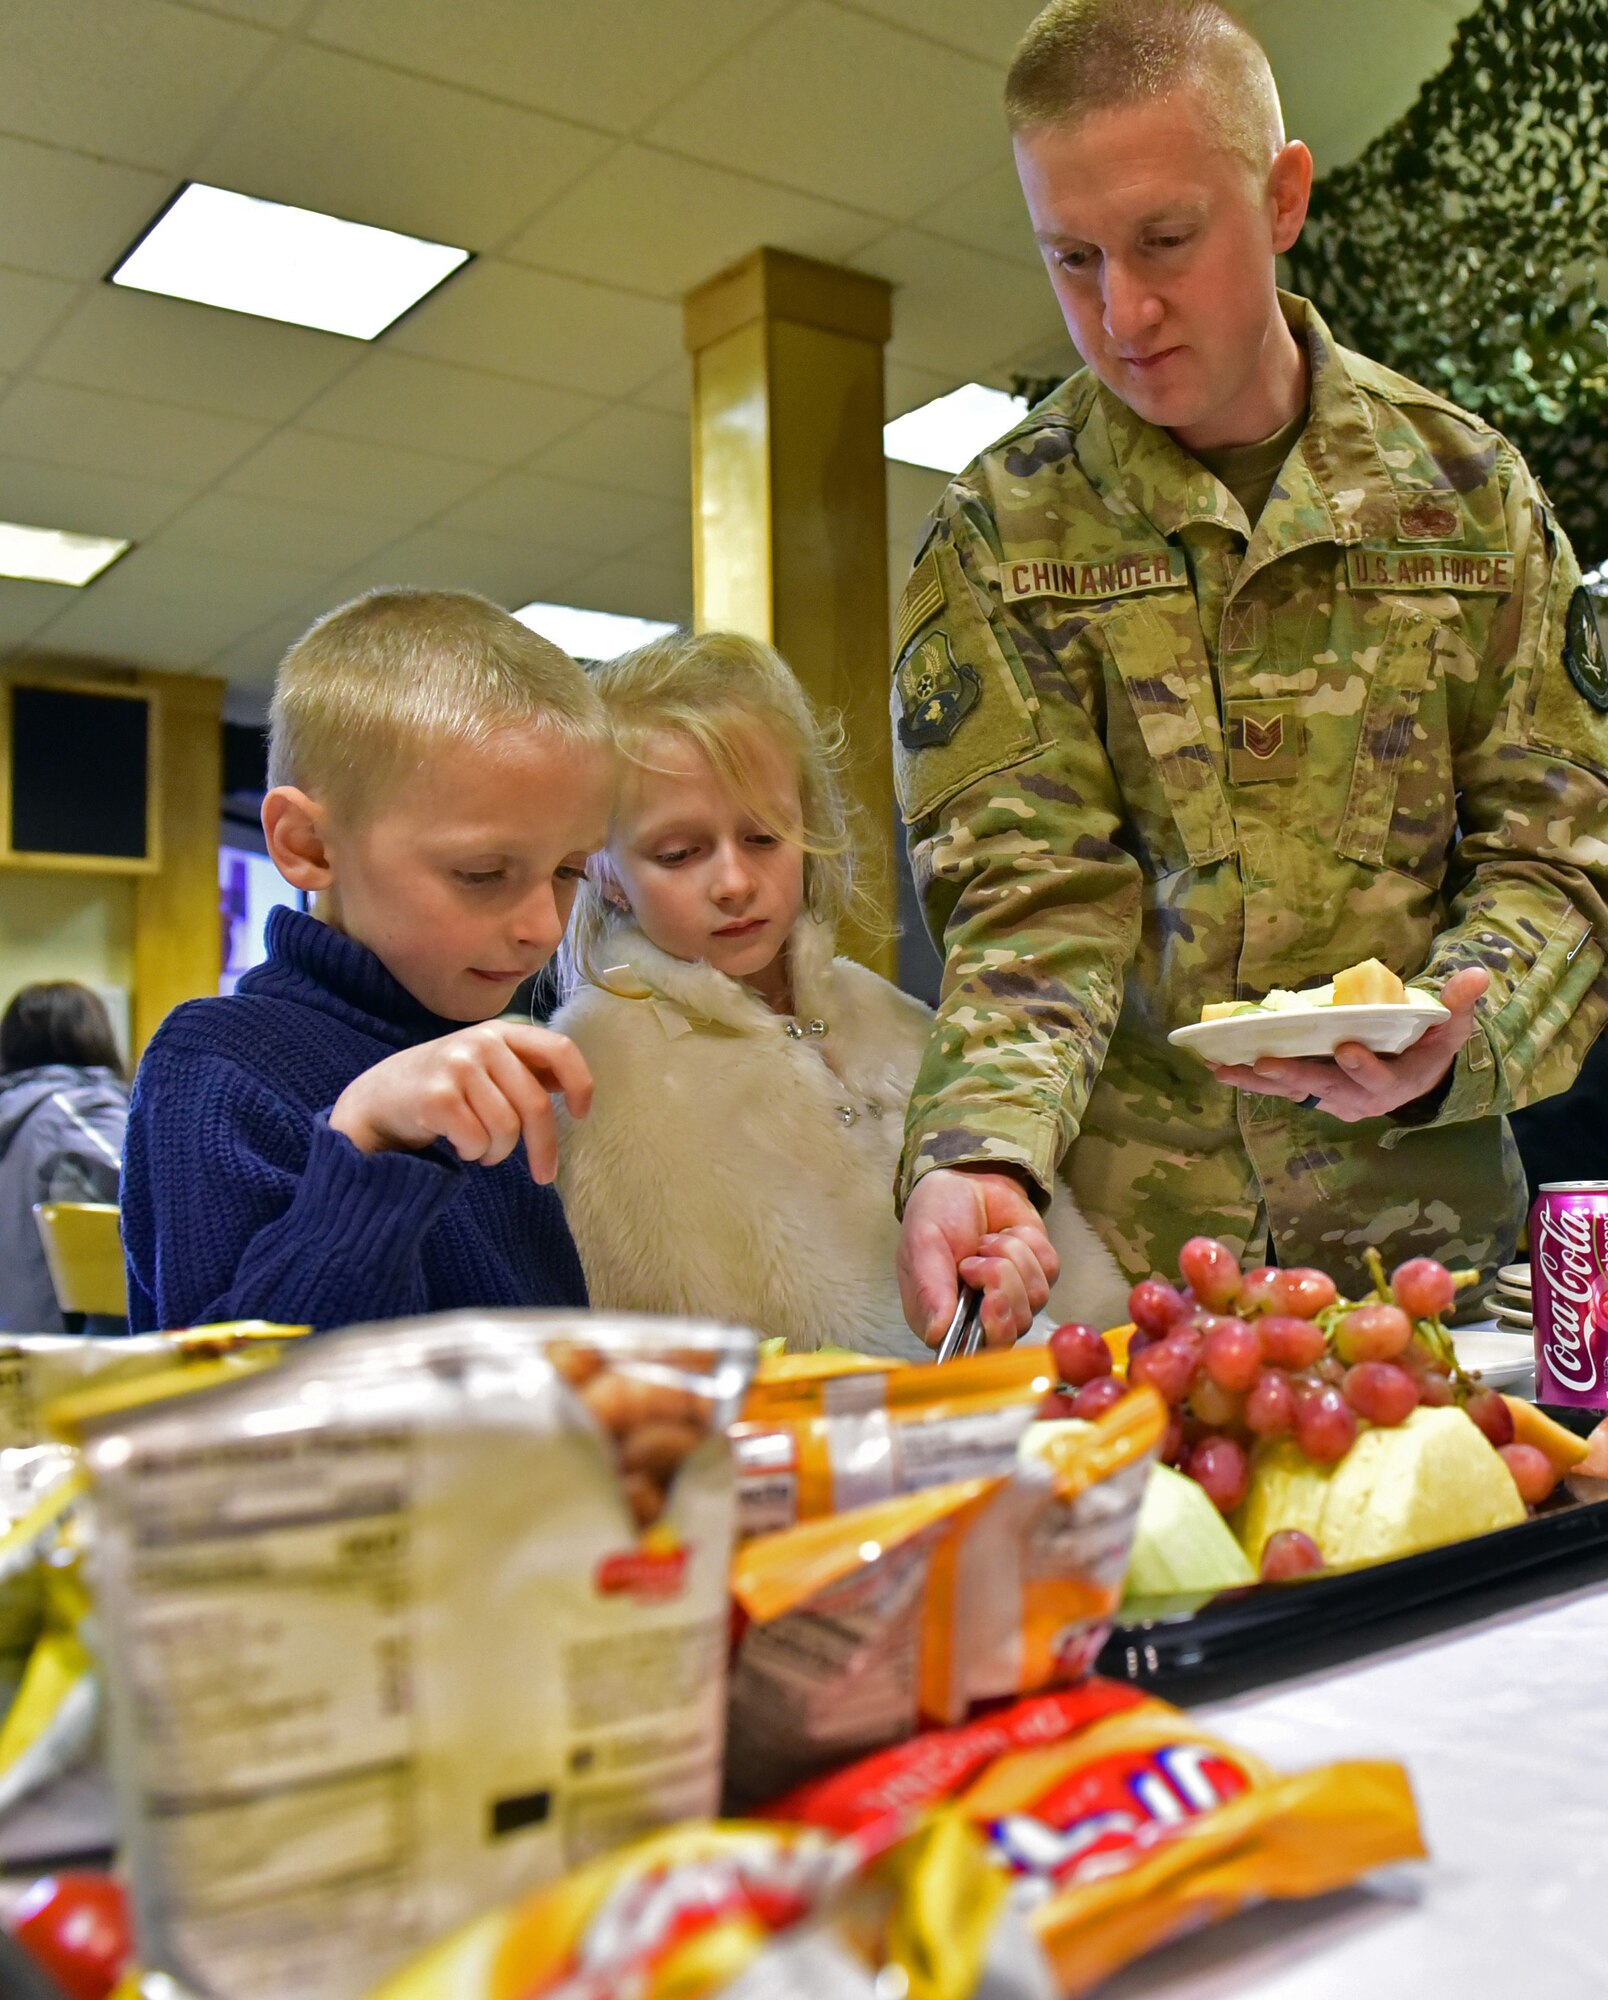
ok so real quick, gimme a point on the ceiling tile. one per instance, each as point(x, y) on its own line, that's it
point(509, 573)
point(635, 589)
point(85, 501)
point(177, 635)
point(69, 215)
point(400, 399)
point(546, 329)
point(267, 13)
point(525, 506)
point(356, 478)
point(281, 531)
point(846, 108)
point(671, 548)
point(957, 309)
point(987, 28)
point(664, 224)
point(29, 307)
point(178, 352)
point(611, 70)
point(25, 607)
point(331, 132)
point(250, 662)
point(988, 215)
point(670, 390)
point(139, 81)
point(906, 388)
point(642, 451)
point(250, 590)
point(61, 425)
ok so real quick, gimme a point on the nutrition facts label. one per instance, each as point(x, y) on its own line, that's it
point(269, 1652)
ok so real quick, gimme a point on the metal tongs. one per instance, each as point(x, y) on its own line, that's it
point(965, 1333)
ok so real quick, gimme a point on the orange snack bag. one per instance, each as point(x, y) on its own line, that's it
point(1041, 1847)
point(823, 1434)
point(1117, 1824)
point(862, 1626)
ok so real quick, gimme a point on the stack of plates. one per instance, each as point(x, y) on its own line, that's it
point(1510, 1299)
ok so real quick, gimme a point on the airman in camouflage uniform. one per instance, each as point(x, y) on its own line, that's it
point(1150, 758)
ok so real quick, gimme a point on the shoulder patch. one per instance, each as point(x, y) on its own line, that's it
point(1583, 653)
point(936, 694)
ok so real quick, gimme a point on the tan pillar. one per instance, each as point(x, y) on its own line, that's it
point(790, 535)
point(178, 937)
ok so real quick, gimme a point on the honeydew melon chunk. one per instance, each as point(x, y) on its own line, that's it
point(1433, 1479)
point(1181, 1544)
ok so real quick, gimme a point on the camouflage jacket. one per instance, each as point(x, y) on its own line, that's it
point(1149, 758)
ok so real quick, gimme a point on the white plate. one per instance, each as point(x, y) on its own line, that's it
point(1516, 1277)
point(1499, 1359)
point(1309, 1031)
point(1521, 1319)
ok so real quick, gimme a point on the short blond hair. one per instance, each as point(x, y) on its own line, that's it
point(718, 689)
point(372, 687)
point(1080, 56)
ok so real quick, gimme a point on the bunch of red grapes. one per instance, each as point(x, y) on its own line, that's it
point(1240, 1356)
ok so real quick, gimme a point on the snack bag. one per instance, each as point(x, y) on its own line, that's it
point(49, 1698)
point(52, 1700)
point(1115, 1824)
point(426, 1614)
point(1030, 1852)
point(36, 1368)
point(822, 1434)
point(866, 1625)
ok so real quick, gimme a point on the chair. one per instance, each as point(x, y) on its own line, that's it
point(84, 1255)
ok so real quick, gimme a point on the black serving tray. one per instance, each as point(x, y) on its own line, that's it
point(1244, 1637)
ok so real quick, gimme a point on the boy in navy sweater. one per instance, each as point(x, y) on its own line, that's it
point(332, 1142)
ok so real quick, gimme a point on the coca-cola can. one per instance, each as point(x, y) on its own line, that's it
point(1569, 1293)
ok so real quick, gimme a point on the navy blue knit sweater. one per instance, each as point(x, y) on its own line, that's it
point(240, 1202)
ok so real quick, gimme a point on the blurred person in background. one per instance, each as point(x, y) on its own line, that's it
point(63, 1106)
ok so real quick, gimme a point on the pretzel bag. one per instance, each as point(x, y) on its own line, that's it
point(824, 1434)
point(858, 1628)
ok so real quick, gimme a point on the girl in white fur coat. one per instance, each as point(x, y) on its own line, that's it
point(750, 1086)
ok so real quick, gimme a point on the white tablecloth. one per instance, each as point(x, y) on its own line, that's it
point(1503, 1728)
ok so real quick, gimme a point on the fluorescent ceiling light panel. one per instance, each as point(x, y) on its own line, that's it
point(278, 262)
point(51, 555)
point(949, 432)
point(590, 635)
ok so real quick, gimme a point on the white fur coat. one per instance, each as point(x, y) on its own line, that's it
point(734, 1169)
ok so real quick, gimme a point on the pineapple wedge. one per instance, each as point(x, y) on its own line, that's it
point(1431, 1480)
point(1368, 985)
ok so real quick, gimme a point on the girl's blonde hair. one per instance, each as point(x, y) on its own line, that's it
point(718, 688)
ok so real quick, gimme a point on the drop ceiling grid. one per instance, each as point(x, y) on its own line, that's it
point(599, 180)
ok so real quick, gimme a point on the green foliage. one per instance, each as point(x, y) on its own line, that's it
point(1468, 246)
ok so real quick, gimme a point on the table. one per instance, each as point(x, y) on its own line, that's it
point(1503, 1727)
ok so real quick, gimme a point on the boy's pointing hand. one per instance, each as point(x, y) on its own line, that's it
point(481, 1090)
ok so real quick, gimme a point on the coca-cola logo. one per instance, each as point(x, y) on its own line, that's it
point(1566, 1258)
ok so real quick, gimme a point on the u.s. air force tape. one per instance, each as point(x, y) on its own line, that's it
point(1430, 569)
